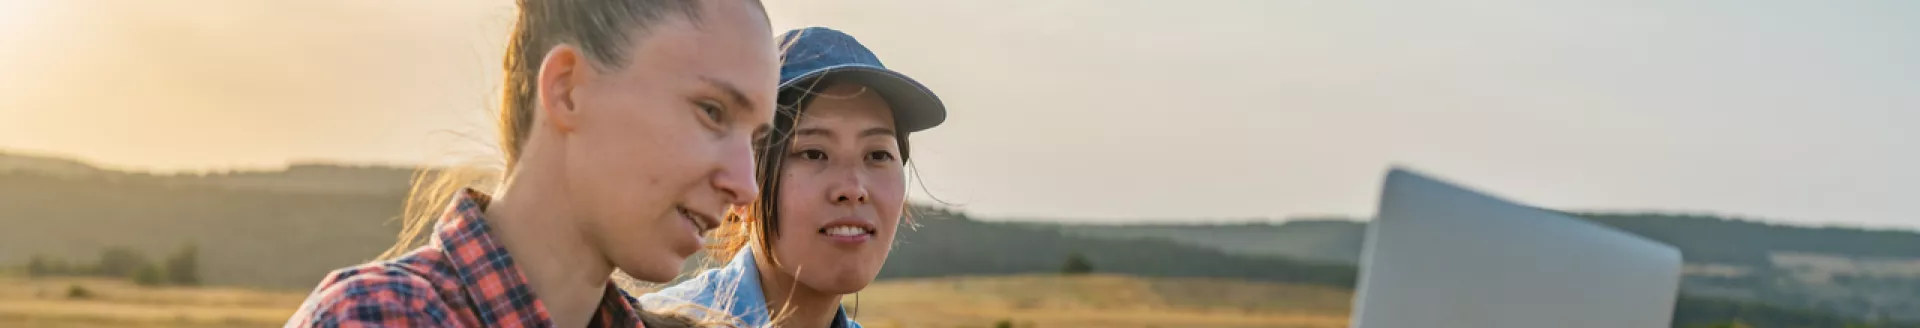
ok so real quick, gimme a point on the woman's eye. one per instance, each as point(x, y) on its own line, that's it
point(880, 156)
point(713, 111)
point(812, 154)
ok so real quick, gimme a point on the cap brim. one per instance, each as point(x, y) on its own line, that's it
point(915, 107)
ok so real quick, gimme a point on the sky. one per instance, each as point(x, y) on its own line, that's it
point(1091, 110)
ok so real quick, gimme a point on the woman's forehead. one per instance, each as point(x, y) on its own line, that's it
point(726, 48)
point(853, 117)
point(847, 101)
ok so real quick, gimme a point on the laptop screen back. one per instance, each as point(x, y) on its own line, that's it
point(1441, 256)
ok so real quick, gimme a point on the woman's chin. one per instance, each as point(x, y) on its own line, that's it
point(844, 284)
point(657, 271)
point(844, 289)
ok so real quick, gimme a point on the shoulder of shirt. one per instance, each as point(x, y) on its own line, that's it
point(710, 295)
point(392, 293)
point(698, 290)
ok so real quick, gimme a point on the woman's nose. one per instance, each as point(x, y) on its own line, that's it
point(851, 190)
point(736, 180)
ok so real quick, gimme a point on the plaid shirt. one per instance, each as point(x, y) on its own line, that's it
point(463, 278)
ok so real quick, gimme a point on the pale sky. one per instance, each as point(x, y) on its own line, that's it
point(1788, 111)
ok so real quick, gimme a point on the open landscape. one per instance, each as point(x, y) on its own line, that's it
point(1062, 163)
point(82, 302)
point(1100, 301)
point(1026, 301)
point(259, 240)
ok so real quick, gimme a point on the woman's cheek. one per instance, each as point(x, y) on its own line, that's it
point(892, 199)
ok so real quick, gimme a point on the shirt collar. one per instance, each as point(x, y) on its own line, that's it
point(733, 289)
point(492, 282)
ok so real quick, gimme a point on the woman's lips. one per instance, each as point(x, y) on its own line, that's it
point(848, 231)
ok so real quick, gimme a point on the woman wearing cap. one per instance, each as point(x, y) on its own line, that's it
point(627, 130)
point(834, 172)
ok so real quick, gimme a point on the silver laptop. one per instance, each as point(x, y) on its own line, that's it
point(1441, 256)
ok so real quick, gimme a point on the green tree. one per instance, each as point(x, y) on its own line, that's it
point(149, 275)
point(120, 261)
point(1003, 323)
point(1734, 324)
point(77, 292)
point(183, 268)
point(49, 266)
point(1076, 264)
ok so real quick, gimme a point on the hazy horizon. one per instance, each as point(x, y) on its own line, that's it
point(1081, 110)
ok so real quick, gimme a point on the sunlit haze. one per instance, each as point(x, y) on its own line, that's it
point(1789, 111)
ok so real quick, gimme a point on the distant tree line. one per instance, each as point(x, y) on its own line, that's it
point(946, 245)
point(1718, 239)
point(1697, 312)
point(181, 268)
point(1076, 265)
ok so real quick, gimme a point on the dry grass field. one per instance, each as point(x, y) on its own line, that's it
point(1028, 301)
point(1098, 301)
point(118, 303)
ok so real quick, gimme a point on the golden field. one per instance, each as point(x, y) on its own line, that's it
point(1028, 301)
point(119, 303)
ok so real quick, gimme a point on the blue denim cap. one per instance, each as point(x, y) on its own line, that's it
point(814, 52)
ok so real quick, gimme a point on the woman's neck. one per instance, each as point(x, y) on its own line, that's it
point(791, 303)
point(567, 275)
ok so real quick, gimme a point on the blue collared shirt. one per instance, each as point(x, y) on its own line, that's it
point(733, 289)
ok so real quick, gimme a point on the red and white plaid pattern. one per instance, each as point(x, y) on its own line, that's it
point(463, 278)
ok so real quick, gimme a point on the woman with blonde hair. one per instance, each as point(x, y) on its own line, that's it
point(834, 172)
point(627, 130)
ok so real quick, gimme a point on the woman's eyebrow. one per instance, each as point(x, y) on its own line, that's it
point(873, 132)
point(814, 132)
point(823, 132)
point(739, 99)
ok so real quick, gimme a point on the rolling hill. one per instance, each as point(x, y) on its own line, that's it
point(249, 237)
point(282, 229)
point(953, 244)
point(285, 229)
point(1734, 242)
point(1331, 240)
point(1867, 274)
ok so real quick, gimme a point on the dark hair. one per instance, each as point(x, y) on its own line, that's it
point(759, 223)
